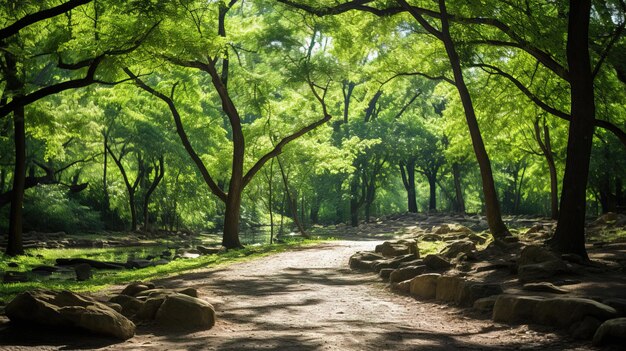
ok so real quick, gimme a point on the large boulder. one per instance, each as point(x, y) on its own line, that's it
point(393, 262)
point(130, 305)
point(536, 254)
point(458, 247)
point(397, 248)
point(135, 288)
point(406, 273)
point(448, 288)
point(185, 312)
point(514, 308)
point(437, 263)
point(565, 311)
point(540, 271)
point(485, 304)
point(471, 291)
point(613, 330)
point(425, 286)
point(364, 260)
point(68, 310)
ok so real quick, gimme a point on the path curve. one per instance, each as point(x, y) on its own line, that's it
point(308, 299)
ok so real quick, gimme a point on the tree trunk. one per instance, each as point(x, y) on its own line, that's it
point(230, 238)
point(569, 236)
point(159, 171)
point(432, 199)
point(408, 179)
point(494, 217)
point(459, 203)
point(354, 202)
point(15, 85)
point(291, 201)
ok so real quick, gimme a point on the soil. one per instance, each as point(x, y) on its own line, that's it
point(308, 299)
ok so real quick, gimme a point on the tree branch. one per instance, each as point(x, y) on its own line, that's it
point(32, 18)
point(215, 189)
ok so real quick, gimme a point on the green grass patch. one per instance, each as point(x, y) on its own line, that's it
point(105, 278)
point(430, 247)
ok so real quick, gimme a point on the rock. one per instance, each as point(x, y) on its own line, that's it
point(68, 310)
point(443, 229)
point(403, 286)
point(149, 308)
point(430, 237)
point(160, 262)
point(206, 250)
point(46, 269)
point(364, 260)
point(385, 273)
point(425, 286)
point(393, 262)
point(535, 254)
point(544, 287)
point(537, 228)
point(618, 304)
point(565, 311)
point(458, 247)
point(14, 277)
point(494, 266)
point(164, 292)
point(448, 288)
point(406, 273)
point(485, 304)
point(477, 239)
point(138, 263)
point(83, 272)
point(539, 271)
point(613, 330)
point(437, 262)
point(472, 291)
point(185, 312)
point(607, 218)
point(93, 263)
point(584, 329)
point(417, 262)
point(130, 305)
point(135, 288)
point(189, 292)
point(514, 308)
point(397, 248)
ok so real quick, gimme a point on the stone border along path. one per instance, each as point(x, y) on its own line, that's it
point(308, 299)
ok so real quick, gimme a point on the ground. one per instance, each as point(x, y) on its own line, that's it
point(309, 299)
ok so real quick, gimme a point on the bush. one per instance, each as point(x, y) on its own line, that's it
point(47, 208)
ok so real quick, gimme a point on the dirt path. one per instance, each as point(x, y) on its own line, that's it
point(310, 300)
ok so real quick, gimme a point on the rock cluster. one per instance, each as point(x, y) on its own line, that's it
point(440, 277)
point(138, 303)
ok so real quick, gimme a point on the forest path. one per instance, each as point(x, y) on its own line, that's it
point(309, 299)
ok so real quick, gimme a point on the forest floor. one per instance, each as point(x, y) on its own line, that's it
point(308, 299)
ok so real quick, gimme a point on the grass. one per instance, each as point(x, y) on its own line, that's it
point(105, 278)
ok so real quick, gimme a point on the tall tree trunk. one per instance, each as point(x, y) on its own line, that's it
point(569, 236)
point(354, 201)
point(494, 216)
point(159, 171)
point(408, 179)
point(15, 86)
point(459, 202)
point(546, 147)
point(105, 187)
point(291, 201)
point(370, 194)
point(432, 199)
point(230, 238)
